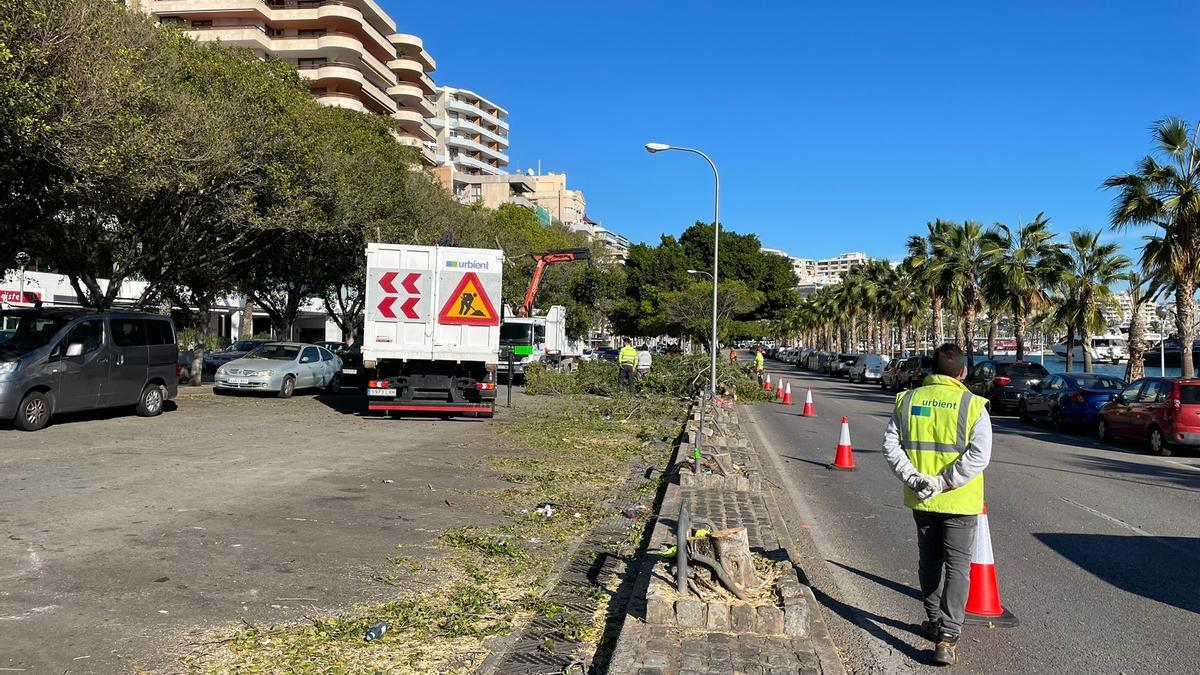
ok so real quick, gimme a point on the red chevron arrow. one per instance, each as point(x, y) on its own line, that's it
point(385, 307)
point(386, 280)
point(410, 283)
point(408, 308)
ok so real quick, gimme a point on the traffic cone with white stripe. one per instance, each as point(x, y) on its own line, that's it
point(808, 405)
point(767, 383)
point(787, 394)
point(779, 391)
point(844, 460)
point(983, 602)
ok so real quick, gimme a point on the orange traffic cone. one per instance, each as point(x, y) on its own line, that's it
point(779, 391)
point(844, 461)
point(787, 394)
point(808, 406)
point(983, 603)
point(767, 383)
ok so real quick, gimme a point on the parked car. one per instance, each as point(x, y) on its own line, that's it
point(840, 366)
point(237, 350)
point(1069, 399)
point(282, 367)
point(868, 368)
point(354, 373)
point(914, 372)
point(821, 360)
point(891, 375)
point(608, 353)
point(1004, 383)
point(57, 360)
point(1163, 411)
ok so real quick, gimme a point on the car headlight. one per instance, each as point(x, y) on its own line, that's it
point(263, 373)
point(8, 368)
point(221, 370)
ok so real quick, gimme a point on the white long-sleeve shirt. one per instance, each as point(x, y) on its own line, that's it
point(643, 359)
point(969, 464)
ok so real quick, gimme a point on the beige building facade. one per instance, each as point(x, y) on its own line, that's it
point(550, 193)
point(471, 148)
point(348, 50)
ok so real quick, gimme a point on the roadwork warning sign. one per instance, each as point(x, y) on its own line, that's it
point(469, 304)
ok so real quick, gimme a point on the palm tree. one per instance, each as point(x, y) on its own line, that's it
point(1093, 268)
point(1027, 262)
point(904, 304)
point(1167, 195)
point(1142, 289)
point(964, 255)
point(922, 251)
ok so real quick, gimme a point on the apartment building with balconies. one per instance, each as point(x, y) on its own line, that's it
point(471, 141)
point(348, 50)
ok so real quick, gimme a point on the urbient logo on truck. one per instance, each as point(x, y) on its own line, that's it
point(467, 264)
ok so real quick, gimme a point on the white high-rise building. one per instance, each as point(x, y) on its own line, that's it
point(813, 274)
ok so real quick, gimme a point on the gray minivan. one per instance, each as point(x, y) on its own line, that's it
point(55, 360)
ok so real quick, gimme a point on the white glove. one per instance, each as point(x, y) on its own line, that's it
point(932, 487)
point(926, 486)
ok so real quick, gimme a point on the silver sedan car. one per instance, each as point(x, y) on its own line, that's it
point(282, 367)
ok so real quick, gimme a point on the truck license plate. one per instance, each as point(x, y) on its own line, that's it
point(381, 392)
point(350, 371)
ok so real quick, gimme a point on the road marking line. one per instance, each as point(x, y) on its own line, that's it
point(1186, 466)
point(1132, 528)
point(1105, 516)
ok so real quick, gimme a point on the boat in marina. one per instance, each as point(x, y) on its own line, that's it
point(1109, 348)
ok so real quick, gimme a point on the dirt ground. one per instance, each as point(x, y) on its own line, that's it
point(123, 538)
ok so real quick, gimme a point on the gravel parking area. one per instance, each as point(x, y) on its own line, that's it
point(124, 538)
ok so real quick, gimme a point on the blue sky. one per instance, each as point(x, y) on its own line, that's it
point(836, 126)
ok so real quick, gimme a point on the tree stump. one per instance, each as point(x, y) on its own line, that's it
point(733, 551)
point(729, 548)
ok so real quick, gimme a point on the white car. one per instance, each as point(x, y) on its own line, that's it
point(282, 368)
point(868, 368)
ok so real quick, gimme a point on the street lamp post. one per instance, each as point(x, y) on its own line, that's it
point(659, 147)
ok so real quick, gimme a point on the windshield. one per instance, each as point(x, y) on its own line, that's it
point(275, 352)
point(22, 332)
point(243, 345)
point(1021, 369)
point(1099, 382)
point(516, 333)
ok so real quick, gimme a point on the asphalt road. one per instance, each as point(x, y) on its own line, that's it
point(1097, 547)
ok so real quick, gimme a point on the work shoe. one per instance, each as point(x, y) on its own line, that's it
point(943, 653)
point(931, 629)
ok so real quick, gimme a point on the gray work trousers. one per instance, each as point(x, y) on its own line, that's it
point(945, 543)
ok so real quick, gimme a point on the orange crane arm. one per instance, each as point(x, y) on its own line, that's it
point(543, 260)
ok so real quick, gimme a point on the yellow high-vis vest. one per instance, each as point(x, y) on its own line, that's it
point(934, 423)
point(758, 360)
point(627, 356)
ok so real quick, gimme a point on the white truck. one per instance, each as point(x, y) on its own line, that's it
point(539, 339)
point(431, 333)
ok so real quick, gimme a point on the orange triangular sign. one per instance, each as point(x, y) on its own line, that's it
point(469, 305)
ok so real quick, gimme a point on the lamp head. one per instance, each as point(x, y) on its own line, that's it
point(693, 271)
point(657, 147)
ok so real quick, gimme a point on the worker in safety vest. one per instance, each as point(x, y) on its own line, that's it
point(627, 359)
point(758, 360)
point(733, 356)
point(938, 444)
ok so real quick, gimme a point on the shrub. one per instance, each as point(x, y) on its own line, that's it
point(677, 376)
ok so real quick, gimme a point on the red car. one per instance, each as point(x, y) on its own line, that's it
point(1165, 411)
